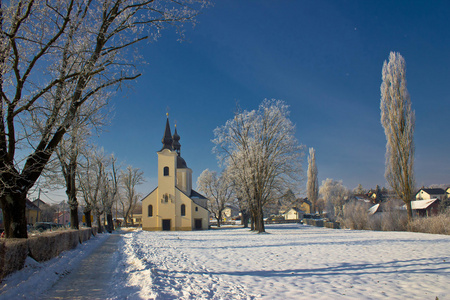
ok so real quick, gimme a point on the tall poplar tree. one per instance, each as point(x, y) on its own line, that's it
point(312, 185)
point(398, 118)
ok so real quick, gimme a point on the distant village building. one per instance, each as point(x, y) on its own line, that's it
point(294, 214)
point(305, 205)
point(174, 205)
point(230, 213)
point(425, 193)
point(32, 213)
point(425, 208)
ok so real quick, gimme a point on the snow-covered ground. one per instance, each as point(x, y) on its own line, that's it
point(289, 262)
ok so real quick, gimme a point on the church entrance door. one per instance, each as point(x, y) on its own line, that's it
point(198, 224)
point(166, 225)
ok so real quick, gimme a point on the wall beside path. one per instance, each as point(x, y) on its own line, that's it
point(42, 247)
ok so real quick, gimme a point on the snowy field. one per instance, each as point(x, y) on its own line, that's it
point(289, 262)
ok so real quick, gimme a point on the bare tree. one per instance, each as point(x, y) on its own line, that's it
point(261, 154)
point(334, 194)
point(398, 118)
point(113, 190)
point(93, 183)
point(91, 116)
point(218, 190)
point(55, 55)
point(129, 179)
point(68, 157)
point(312, 185)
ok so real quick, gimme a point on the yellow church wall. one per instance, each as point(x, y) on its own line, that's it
point(167, 158)
point(184, 179)
point(150, 223)
point(184, 222)
point(200, 213)
point(165, 210)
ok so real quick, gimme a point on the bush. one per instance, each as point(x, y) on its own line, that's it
point(439, 224)
point(355, 215)
point(394, 220)
point(13, 253)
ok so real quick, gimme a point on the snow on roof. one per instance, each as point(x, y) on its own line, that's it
point(433, 191)
point(373, 209)
point(422, 204)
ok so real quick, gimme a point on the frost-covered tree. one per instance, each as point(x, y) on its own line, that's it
point(312, 185)
point(261, 154)
point(359, 190)
point(55, 55)
point(218, 190)
point(129, 179)
point(334, 194)
point(398, 118)
point(93, 182)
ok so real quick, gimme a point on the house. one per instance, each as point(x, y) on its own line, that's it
point(305, 205)
point(173, 204)
point(32, 213)
point(424, 194)
point(425, 208)
point(46, 211)
point(229, 213)
point(62, 217)
point(294, 214)
point(136, 216)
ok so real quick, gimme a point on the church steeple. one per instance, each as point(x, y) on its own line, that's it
point(176, 141)
point(167, 138)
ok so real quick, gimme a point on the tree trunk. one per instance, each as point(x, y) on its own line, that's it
point(259, 222)
point(218, 221)
point(74, 217)
point(252, 220)
point(109, 219)
point(71, 192)
point(99, 223)
point(73, 205)
point(14, 214)
point(409, 210)
point(87, 216)
point(245, 216)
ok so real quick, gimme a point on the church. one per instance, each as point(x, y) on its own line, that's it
point(173, 204)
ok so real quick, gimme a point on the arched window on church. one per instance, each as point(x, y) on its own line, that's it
point(183, 210)
point(150, 211)
point(166, 171)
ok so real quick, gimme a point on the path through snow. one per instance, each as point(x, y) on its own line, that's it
point(164, 271)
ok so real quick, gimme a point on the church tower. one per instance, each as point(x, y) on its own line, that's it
point(184, 174)
point(167, 165)
point(173, 205)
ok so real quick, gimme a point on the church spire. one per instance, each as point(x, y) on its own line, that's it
point(167, 138)
point(176, 141)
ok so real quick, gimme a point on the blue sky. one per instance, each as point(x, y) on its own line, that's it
point(324, 58)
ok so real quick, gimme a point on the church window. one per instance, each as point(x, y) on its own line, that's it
point(166, 171)
point(183, 209)
point(196, 208)
point(150, 211)
point(166, 198)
